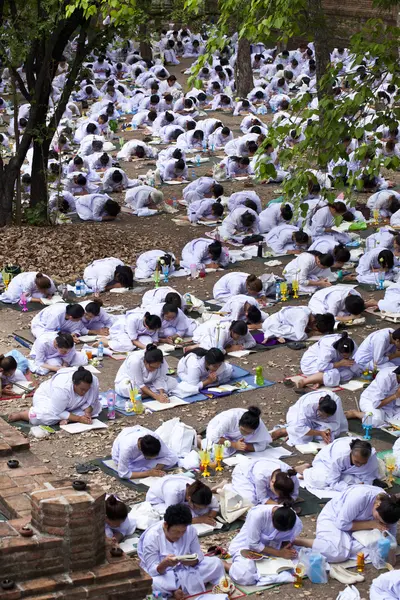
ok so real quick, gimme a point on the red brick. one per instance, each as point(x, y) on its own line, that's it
point(6, 482)
point(24, 472)
point(7, 530)
point(82, 578)
point(42, 584)
point(117, 570)
point(14, 594)
point(5, 448)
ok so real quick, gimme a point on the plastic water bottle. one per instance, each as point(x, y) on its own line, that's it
point(277, 291)
point(83, 287)
point(193, 271)
point(384, 548)
point(174, 202)
point(259, 377)
point(100, 351)
point(111, 405)
point(193, 174)
point(197, 159)
point(138, 404)
point(204, 146)
point(78, 288)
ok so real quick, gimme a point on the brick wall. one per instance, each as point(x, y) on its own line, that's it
point(68, 557)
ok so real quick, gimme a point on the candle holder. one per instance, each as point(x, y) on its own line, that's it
point(375, 216)
point(219, 455)
point(299, 573)
point(6, 279)
point(156, 277)
point(390, 461)
point(295, 288)
point(204, 462)
point(284, 291)
point(360, 562)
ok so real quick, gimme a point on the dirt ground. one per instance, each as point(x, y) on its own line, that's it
point(64, 251)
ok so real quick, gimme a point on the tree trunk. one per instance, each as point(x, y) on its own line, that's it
point(8, 176)
point(145, 47)
point(39, 192)
point(243, 73)
point(321, 35)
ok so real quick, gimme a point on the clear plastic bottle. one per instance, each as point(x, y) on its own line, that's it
point(277, 291)
point(193, 271)
point(138, 405)
point(100, 351)
point(83, 287)
point(78, 288)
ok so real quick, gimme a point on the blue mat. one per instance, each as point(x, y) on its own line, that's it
point(238, 374)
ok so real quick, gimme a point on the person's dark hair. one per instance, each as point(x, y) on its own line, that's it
point(169, 117)
point(389, 508)
point(215, 249)
point(168, 259)
point(254, 284)
point(64, 341)
point(198, 134)
point(341, 253)
point(97, 145)
point(286, 212)
point(344, 345)
point(325, 323)
point(115, 509)
point(396, 334)
point(78, 160)
point(124, 276)
point(91, 128)
point(173, 298)
point(178, 514)
point(247, 219)
point(201, 97)
point(348, 217)
point(26, 178)
point(81, 179)
point(82, 375)
point(180, 164)
point(326, 260)
point(177, 153)
point(150, 446)
point(199, 493)
point(76, 311)
point(94, 307)
point(252, 146)
point(153, 354)
point(248, 203)
point(23, 122)
point(284, 485)
point(217, 209)
point(253, 315)
point(362, 447)
point(8, 363)
point(301, 237)
point(386, 259)
point(354, 305)
point(140, 151)
point(170, 308)
point(255, 129)
point(112, 208)
point(117, 176)
point(152, 115)
point(168, 97)
point(327, 405)
point(217, 190)
point(251, 418)
point(284, 517)
point(154, 99)
point(394, 205)
point(190, 125)
point(339, 207)
point(153, 322)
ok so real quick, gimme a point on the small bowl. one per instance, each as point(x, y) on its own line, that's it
point(116, 551)
point(7, 584)
point(26, 531)
point(79, 485)
point(13, 463)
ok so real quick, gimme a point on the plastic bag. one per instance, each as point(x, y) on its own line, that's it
point(314, 564)
point(379, 550)
point(22, 361)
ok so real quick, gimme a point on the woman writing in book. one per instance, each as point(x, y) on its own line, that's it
point(239, 429)
point(232, 284)
point(134, 330)
point(119, 521)
point(34, 285)
point(66, 318)
point(244, 308)
point(146, 371)
point(228, 336)
point(178, 489)
point(203, 253)
point(202, 368)
point(96, 320)
point(139, 452)
point(269, 529)
point(357, 508)
point(346, 461)
point(53, 351)
point(296, 323)
point(10, 374)
point(70, 396)
point(315, 416)
point(311, 269)
point(329, 362)
point(169, 551)
point(265, 481)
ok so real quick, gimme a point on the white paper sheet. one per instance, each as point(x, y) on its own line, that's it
point(241, 353)
point(81, 427)
point(272, 566)
point(183, 182)
point(156, 406)
point(86, 339)
point(92, 369)
point(310, 448)
point(353, 386)
point(203, 528)
point(129, 545)
point(119, 290)
point(270, 452)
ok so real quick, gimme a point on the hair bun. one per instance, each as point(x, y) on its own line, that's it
point(345, 335)
point(254, 410)
point(151, 347)
point(112, 500)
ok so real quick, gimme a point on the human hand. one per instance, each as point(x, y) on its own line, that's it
point(288, 552)
point(86, 420)
point(207, 520)
point(162, 397)
point(325, 283)
point(346, 362)
point(326, 436)
point(240, 445)
point(169, 561)
point(103, 331)
point(156, 473)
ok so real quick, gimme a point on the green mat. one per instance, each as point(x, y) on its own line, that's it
point(311, 505)
point(139, 487)
point(355, 426)
point(31, 306)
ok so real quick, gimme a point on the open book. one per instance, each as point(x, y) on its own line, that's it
point(222, 388)
point(49, 301)
point(81, 427)
point(22, 387)
point(273, 566)
point(187, 557)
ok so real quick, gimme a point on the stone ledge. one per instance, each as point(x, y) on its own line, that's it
point(11, 440)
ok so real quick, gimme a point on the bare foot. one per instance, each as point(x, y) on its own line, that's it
point(300, 383)
point(23, 415)
point(178, 595)
point(301, 468)
point(354, 414)
point(278, 433)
